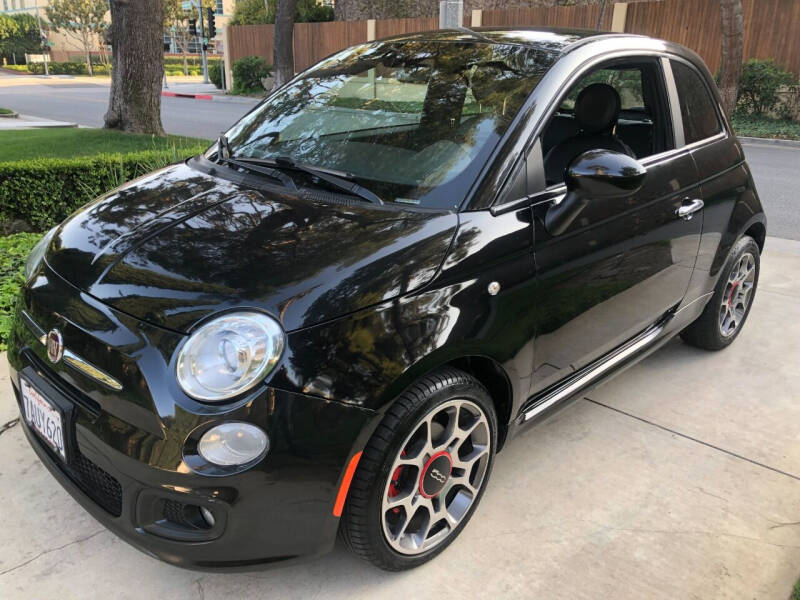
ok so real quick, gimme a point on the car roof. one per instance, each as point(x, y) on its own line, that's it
point(555, 41)
point(551, 38)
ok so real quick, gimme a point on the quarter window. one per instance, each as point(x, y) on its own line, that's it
point(700, 119)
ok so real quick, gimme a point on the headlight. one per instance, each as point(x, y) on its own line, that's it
point(37, 253)
point(229, 355)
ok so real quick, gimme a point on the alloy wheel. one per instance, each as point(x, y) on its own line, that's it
point(436, 477)
point(737, 295)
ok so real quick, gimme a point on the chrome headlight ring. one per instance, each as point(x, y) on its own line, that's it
point(229, 355)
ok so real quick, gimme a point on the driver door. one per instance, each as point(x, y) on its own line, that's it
point(623, 262)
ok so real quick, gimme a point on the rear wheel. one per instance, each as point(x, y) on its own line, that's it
point(726, 312)
point(422, 473)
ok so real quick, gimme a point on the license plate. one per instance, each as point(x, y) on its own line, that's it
point(43, 417)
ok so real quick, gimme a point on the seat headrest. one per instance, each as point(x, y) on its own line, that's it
point(597, 108)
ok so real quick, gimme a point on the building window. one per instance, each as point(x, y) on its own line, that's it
point(219, 10)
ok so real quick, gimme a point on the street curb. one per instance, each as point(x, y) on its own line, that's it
point(214, 97)
point(193, 96)
point(770, 141)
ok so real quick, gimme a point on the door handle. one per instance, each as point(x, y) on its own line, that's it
point(686, 211)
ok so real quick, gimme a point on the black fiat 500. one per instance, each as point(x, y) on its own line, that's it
point(335, 318)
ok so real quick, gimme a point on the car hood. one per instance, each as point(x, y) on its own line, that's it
point(175, 246)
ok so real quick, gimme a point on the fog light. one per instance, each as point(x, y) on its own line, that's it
point(233, 444)
point(207, 516)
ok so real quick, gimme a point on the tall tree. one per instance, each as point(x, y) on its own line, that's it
point(138, 66)
point(732, 50)
point(82, 19)
point(283, 53)
point(177, 21)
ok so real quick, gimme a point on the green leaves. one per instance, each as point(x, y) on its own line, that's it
point(760, 83)
point(77, 15)
point(14, 249)
point(248, 73)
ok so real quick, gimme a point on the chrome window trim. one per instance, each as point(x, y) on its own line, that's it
point(674, 103)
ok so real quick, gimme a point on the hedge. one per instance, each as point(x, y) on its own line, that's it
point(44, 192)
point(68, 68)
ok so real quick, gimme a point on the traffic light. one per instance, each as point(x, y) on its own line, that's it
point(193, 27)
point(212, 25)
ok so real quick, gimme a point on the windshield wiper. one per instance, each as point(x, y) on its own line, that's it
point(337, 179)
point(255, 168)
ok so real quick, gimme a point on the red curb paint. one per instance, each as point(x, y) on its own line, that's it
point(192, 96)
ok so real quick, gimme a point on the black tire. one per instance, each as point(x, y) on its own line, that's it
point(362, 521)
point(706, 331)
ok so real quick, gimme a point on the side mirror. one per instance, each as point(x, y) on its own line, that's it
point(592, 175)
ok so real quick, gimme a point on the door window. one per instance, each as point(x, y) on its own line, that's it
point(587, 118)
point(700, 118)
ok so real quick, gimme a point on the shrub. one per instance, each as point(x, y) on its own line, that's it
point(69, 68)
point(247, 74)
point(44, 192)
point(215, 73)
point(14, 249)
point(759, 85)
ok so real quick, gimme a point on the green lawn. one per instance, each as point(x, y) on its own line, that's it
point(5, 111)
point(71, 142)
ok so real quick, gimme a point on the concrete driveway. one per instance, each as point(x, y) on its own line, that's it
point(678, 479)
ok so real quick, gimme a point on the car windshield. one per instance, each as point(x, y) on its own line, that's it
point(411, 121)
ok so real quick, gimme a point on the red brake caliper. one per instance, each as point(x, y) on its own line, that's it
point(730, 296)
point(395, 482)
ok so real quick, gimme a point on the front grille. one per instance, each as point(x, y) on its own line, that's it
point(101, 487)
point(183, 515)
point(175, 512)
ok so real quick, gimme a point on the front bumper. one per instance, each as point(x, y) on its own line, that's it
point(125, 451)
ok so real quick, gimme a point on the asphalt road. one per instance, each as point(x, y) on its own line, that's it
point(86, 104)
point(776, 168)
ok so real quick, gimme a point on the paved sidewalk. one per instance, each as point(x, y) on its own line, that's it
point(680, 478)
point(31, 122)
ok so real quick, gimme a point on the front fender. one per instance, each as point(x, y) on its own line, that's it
point(368, 358)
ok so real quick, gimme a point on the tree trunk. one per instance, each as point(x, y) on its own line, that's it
point(283, 54)
point(731, 68)
point(137, 66)
point(602, 14)
point(88, 50)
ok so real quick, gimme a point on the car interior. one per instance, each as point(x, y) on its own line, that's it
point(620, 107)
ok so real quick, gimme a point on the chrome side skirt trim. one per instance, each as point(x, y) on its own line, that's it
point(569, 388)
point(73, 360)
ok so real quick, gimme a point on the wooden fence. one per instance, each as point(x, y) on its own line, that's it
point(771, 29)
point(581, 17)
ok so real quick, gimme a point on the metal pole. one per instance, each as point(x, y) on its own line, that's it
point(202, 45)
point(41, 35)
